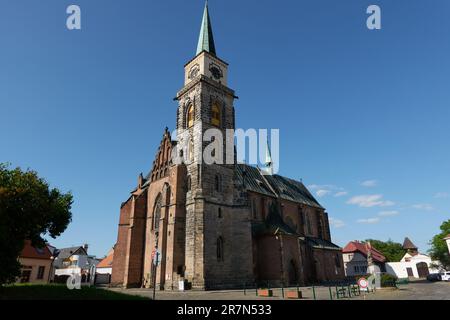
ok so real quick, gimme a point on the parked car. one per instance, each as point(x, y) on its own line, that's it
point(434, 277)
point(445, 276)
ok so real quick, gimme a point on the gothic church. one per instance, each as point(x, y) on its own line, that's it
point(220, 225)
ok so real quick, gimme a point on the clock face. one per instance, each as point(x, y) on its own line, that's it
point(216, 72)
point(194, 72)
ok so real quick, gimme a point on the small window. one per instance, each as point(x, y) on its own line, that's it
point(219, 214)
point(219, 249)
point(41, 272)
point(215, 115)
point(218, 183)
point(189, 182)
point(190, 116)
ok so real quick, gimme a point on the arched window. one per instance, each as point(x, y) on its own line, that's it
point(190, 116)
point(157, 213)
point(219, 249)
point(215, 115)
point(218, 183)
point(319, 227)
point(308, 224)
point(254, 209)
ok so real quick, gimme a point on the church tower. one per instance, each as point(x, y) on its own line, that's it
point(214, 228)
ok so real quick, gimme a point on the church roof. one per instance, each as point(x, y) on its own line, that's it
point(407, 244)
point(292, 190)
point(275, 186)
point(321, 243)
point(206, 38)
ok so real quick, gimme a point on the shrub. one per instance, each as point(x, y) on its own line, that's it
point(388, 280)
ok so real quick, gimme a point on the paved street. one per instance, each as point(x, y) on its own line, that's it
point(421, 290)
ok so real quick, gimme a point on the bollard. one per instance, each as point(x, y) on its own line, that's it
point(331, 295)
point(282, 289)
point(314, 292)
point(245, 289)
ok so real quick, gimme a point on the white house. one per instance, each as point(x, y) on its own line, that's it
point(356, 254)
point(73, 261)
point(413, 264)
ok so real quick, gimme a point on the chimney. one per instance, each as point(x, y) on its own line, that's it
point(86, 247)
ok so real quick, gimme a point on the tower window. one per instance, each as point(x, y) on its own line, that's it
point(219, 214)
point(190, 116)
point(215, 115)
point(219, 249)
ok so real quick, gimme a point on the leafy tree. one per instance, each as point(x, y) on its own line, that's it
point(29, 209)
point(393, 251)
point(439, 249)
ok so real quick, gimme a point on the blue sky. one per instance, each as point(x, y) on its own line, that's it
point(87, 109)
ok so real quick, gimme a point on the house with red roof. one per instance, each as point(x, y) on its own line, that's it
point(103, 270)
point(35, 264)
point(356, 256)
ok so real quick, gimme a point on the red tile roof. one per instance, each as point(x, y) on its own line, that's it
point(107, 262)
point(356, 246)
point(29, 251)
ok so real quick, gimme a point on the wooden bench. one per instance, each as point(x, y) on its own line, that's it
point(294, 294)
point(341, 292)
point(265, 292)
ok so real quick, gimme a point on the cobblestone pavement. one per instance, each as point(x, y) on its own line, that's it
point(420, 290)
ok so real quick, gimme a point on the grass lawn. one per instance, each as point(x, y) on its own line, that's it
point(60, 292)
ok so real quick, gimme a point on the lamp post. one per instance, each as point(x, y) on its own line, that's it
point(155, 262)
point(279, 237)
point(52, 258)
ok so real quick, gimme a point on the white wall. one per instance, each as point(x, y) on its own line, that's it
point(399, 269)
point(103, 270)
point(67, 271)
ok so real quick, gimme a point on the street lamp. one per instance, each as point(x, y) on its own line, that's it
point(51, 268)
point(279, 237)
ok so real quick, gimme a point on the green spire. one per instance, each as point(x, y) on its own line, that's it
point(206, 38)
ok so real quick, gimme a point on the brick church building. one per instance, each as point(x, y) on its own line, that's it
point(218, 225)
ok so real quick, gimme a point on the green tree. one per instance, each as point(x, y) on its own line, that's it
point(393, 251)
point(29, 209)
point(439, 249)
